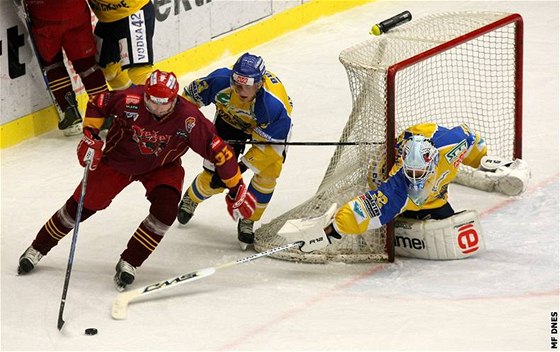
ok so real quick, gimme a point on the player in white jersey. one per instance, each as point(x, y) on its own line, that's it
point(251, 104)
point(415, 195)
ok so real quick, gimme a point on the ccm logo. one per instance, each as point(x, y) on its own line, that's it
point(467, 239)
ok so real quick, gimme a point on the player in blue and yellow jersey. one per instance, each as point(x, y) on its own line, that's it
point(124, 35)
point(251, 104)
point(428, 157)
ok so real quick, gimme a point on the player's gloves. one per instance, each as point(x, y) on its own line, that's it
point(89, 148)
point(241, 203)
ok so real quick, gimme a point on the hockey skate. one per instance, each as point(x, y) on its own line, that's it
point(125, 275)
point(71, 123)
point(186, 209)
point(29, 260)
point(245, 234)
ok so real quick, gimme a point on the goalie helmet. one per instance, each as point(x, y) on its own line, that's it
point(420, 159)
point(248, 70)
point(160, 91)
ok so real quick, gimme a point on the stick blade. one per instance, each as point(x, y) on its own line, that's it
point(60, 323)
point(119, 309)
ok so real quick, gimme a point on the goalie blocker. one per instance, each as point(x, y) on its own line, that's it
point(310, 231)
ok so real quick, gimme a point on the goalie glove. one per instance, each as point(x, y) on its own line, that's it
point(496, 174)
point(310, 231)
point(511, 177)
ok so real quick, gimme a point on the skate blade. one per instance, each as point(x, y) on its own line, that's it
point(244, 246)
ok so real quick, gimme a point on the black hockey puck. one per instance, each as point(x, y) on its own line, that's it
point(91, 331)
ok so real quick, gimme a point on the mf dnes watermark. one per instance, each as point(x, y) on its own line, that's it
point(553, 330)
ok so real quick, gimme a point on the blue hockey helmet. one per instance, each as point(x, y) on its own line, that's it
point(248, 70)
point(420, 159)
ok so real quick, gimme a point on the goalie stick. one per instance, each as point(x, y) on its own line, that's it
point(120, 305)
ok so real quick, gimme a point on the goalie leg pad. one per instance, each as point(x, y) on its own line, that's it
point(310, 231)
point(456, 237)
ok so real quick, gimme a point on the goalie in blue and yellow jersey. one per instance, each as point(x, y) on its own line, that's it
point(428, 157)
point(251, 105)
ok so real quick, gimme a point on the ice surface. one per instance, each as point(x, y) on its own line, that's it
point(499, 300)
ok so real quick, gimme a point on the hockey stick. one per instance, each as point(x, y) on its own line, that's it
point(301, 143)
point(73, 245)
point(119, 308)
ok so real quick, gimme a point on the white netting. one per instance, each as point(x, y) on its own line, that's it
point(472, 82)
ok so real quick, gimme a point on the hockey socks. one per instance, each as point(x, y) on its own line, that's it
point(144, 241)
point(58, 226)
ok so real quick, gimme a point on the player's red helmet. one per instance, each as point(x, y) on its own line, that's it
point(162, 87)
point(161, 90)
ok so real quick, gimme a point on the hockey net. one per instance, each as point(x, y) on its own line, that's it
point(449, 68)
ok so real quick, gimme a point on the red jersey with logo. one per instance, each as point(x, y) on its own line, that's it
point(138, 142)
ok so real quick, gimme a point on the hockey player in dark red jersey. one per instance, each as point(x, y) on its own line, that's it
point(152, 129)
point(65, 24)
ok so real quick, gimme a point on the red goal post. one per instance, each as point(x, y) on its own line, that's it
point(449, 68)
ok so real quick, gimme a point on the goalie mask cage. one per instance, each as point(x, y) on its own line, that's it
point(449, 68)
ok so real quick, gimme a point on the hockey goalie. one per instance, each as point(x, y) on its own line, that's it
point(428, 157)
